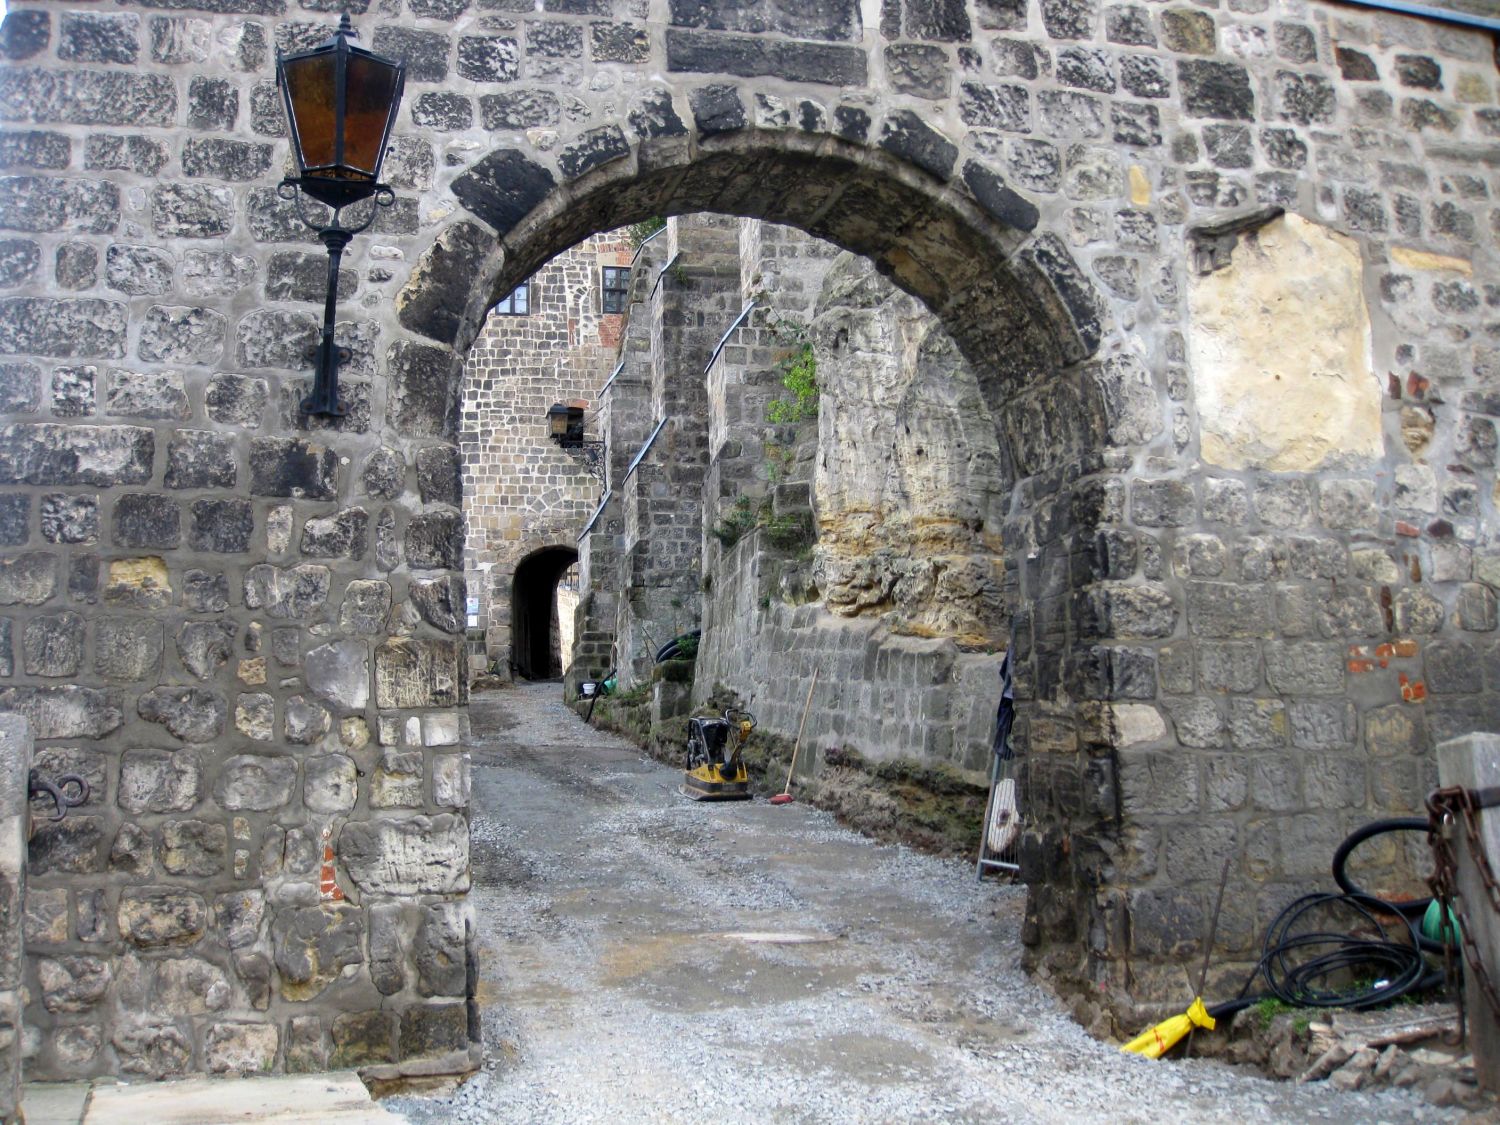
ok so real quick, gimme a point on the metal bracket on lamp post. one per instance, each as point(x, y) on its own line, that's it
point(589, 452)
point(324, 399)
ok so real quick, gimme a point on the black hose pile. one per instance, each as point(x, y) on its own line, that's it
point(1349, 950)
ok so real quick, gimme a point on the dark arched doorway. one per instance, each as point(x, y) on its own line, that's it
point(536, 636)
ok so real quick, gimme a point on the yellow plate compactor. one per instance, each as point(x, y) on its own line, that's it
point(715, 765)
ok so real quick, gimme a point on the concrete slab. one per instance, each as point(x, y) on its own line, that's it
point(338, 1098)
point(54, 1103)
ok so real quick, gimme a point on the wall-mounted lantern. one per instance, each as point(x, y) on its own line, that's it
point(565, 426)
point(341, 102)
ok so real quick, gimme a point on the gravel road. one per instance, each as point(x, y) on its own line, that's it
point(622, 981)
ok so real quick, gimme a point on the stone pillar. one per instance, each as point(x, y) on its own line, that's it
point(15, 764)
point(1474, 763)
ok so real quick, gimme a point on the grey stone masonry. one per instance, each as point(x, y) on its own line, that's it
point(16, 752)
point(1227, 280)
point(522, 494)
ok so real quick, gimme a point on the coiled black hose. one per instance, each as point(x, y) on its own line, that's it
point(1410, 908)
point(1298, 966)
point(1307, 968)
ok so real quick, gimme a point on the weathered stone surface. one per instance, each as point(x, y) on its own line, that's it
point(313, 945)
point(73, 388)
point(434, 1029)
point(438, 951)
point(340, 536)
point(73, 984)
point(433, 301)
point(82, 327)
point(450, 781)
point(64, 712)
point(255, 716)
point(157, 916)
point(66, 846)
point(203, 592)
point(201, 459)
point(416, 855)
point(191, 714)
point(440, 602)
point(192, 211)
point(155, 395)
point(255, 782)
point(363, 1038)
point(240, 1048)
point(1312, 400)
point(292, 467)
point(144, 519)
point(339, 672)
point(237, 399)
point(127, 648)
point(46, 453)
point(43, 203)
point(365, 608)
point(138, 270)
point(708, 53)
point(53, 644)
point(287, 592)
point(397, 783)
point(28, 579)
point(435, 540)
point(331, 783)
point(159, 780)
point(411, 672)
point(306, 722)
point(153, 1051)
point(194, 847)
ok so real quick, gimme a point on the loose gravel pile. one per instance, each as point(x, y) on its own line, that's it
point(615, 990)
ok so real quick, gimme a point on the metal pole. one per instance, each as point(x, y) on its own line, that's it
point(1473, 762)
point(325, 393)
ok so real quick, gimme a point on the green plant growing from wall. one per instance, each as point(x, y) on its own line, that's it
point(799, 376)
point(779, 460)
point(736, 522)
point(639, 232)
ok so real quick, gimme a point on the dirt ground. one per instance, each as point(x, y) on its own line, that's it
point(646, 958)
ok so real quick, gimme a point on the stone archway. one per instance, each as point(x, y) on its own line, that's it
point(536, 642)
point(250, 625)
point(1005, 288)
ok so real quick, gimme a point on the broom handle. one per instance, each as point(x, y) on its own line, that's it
point(800, 728)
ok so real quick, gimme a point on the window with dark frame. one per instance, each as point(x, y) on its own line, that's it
point(616, 288)
point(517, 303)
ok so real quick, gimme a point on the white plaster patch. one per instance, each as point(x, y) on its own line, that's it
point(1280, 350)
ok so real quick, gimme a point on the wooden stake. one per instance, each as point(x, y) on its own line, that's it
point(800, 728)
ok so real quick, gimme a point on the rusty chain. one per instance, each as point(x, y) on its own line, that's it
point(1445, 807)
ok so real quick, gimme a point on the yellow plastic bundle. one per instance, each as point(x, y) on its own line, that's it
point(1157, 1041)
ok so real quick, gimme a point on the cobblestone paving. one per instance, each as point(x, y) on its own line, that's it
point(614, 987)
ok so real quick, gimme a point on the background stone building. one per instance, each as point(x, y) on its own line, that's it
point(1163, 237)
point(526, 499)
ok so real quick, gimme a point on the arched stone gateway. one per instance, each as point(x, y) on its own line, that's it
point(536, 645)
point(1249, 545)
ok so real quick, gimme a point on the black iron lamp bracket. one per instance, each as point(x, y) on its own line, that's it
point(589, 452)
point(324, 399)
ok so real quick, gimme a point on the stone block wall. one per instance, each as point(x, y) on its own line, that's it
point(523, 494)
point(1066, 184)
point(201, 623)
point(15, 818)
point(694, 299)
point(899, 464)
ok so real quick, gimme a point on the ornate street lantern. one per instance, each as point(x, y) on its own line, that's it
point(565, 426)
point(341, 101)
